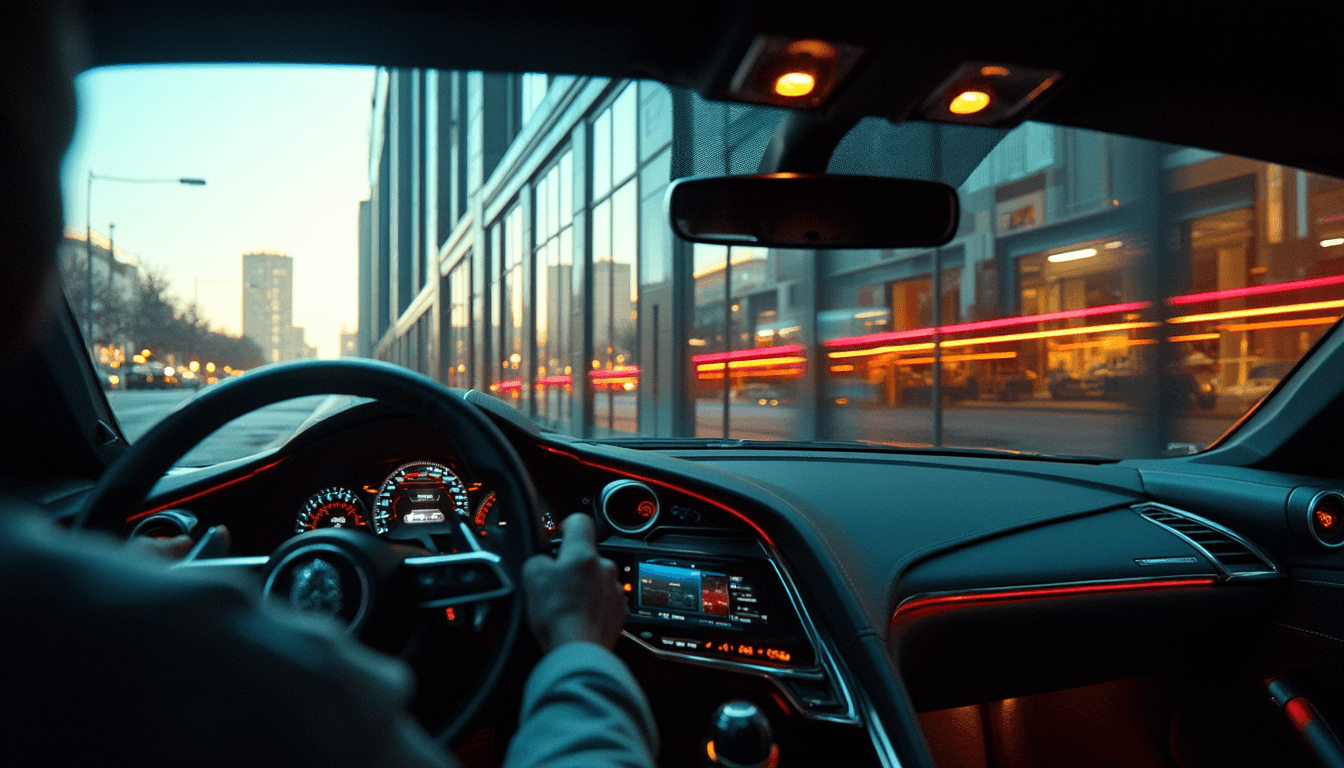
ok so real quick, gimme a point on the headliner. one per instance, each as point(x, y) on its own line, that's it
point(1251, 84)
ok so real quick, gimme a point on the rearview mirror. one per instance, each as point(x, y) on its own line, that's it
point(790, 210)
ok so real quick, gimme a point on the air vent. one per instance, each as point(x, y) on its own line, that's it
point(1233, 555)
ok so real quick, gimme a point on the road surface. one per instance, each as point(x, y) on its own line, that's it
point(138, 411)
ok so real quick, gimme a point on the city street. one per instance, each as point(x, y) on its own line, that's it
point(1071, 428)
point(139, 411)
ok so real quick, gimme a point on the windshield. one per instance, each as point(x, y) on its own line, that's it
point(1104, 295)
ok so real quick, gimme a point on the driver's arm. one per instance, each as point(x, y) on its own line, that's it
point(581, 707)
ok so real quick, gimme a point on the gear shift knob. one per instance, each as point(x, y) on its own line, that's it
point(740, 737)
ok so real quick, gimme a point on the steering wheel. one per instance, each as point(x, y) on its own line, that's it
point(386, 581)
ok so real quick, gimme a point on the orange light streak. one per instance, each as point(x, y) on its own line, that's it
point(882, 350)
point(764, 362)
point(1194, 337)
point(1278, 324)
point(1110, 328)
point(791, 373)
point(959, 358)
point(841, 368)
point(1282, 309)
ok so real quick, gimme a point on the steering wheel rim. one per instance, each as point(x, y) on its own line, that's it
point(491, 457)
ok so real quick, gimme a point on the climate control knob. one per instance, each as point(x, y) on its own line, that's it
point(629, 505)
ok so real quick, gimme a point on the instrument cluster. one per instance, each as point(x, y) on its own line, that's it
point(418, 499)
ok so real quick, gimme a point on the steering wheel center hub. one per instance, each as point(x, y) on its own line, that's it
point(321, 577)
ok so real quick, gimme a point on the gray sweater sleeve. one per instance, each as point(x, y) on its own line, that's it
point(583, 708)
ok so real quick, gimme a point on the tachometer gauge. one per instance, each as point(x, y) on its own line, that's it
point(486, 517)
point(419, 497)
point(332, 508)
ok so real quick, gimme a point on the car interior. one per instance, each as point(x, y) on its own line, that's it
point(879, 605)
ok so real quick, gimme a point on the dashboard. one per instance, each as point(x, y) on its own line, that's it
point(836, 591)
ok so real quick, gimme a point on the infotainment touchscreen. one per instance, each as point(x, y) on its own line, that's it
point(706, 596)
point(714, 607)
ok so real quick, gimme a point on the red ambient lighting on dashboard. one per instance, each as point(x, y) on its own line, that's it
point(970, 599)
point(198, 494)
point(665, 484)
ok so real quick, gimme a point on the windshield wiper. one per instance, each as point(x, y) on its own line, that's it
point(856, 446)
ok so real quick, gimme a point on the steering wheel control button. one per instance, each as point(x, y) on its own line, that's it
point(440, 581)
point(630, 506)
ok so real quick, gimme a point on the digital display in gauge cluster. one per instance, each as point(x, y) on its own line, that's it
point(716, 608)
point(419, 497)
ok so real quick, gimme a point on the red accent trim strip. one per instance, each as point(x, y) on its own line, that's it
point(198, 494)
point(1019, 594)
point(1300, 711)
point(666, 484)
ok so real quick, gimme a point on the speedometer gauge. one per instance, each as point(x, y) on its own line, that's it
point(419, 497)
point(332, 508)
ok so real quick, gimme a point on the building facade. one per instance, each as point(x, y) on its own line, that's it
point(515, 241)
point(268, 307)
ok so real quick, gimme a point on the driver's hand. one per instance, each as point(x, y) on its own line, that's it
point(175, 548)
point(574, 596)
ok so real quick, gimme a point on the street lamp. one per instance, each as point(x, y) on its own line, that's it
point(88, 234)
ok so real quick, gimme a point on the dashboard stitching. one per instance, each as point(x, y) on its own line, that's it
point(1308, 631)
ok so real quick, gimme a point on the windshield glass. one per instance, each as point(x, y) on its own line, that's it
point(1104, 295)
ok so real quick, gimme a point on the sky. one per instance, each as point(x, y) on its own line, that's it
point(284, 153)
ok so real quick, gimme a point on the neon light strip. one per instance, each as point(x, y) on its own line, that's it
point(1280, 324)
point(765, 362)
point(1111, 343)
point(981, 325)
point(554, 380)
point(959, 358)
point(1258, 312)
point(198, 494)
point(1048, 334)
point(748, 354)
point(620, 372)
point(1256, 290)
point(792, 373)
point(881, 350)
point(1011, 595)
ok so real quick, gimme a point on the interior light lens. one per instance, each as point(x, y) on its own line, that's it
point(994, 71)
point(795, 84)
point(968, 102)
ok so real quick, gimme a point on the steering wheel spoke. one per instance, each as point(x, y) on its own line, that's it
point(444, 581)
point(224, 564)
